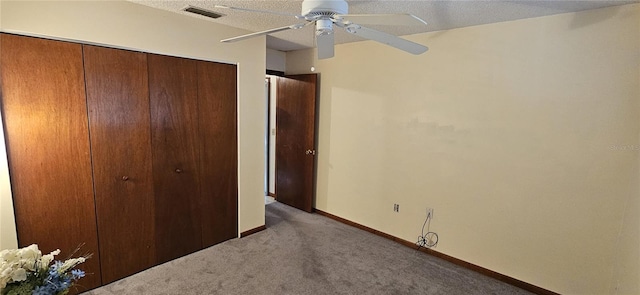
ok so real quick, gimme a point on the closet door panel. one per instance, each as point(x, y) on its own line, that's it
point(218, 149)
point(45, 116)
point(174, 137)
point(118, 103)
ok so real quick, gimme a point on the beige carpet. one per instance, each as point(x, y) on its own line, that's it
point(302, 253)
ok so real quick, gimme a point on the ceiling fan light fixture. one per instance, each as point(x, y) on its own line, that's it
point(324, 26)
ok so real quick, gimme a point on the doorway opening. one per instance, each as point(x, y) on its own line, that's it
point(290, 140)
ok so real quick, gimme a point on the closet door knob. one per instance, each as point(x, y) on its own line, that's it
point(125, 178)
point(178, 170)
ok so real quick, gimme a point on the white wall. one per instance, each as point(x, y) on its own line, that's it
point(507, 130)
point(127, 25)
point(626, 274)
point(7, 223)
point(276, 60)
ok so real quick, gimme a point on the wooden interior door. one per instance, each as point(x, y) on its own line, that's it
point(118, 104)
point(174, 137)
point(217, 114)
point(45, 116)
point(295, 140)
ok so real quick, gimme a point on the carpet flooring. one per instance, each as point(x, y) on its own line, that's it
point(302, 253)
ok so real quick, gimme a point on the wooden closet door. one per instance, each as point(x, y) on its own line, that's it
point(218, 151)
point(174, 136)
point(45, 113)
point(118, 102)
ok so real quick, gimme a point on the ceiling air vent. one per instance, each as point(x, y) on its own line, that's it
point(203, 12)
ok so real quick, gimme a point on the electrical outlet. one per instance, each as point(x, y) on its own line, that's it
point(430, 212)
point(396, 207)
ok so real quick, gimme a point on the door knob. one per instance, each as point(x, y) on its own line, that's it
point(310, 152)
point(125, 178)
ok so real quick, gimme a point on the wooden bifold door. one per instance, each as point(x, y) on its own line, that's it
point(118, 104)
point(131, 155)
point(45, 119)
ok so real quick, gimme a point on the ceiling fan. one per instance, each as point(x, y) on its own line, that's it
point(327, 13)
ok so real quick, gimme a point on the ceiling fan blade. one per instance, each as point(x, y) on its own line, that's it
point(387, 39)
point(259, 11)
point(399, 19)
point(256, 34)
point(324, 42)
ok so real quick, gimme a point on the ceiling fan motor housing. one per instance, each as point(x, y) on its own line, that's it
point(324, 7)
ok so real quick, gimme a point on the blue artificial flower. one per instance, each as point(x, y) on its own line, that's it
point(44, 290)
point(57, 281)
point(53, 270)
point(77, 274)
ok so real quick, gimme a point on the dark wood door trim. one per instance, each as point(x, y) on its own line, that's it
point(253, 231)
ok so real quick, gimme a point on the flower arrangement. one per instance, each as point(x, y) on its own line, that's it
point(26, 271)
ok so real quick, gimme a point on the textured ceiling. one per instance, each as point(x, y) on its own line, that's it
point(440, 15)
